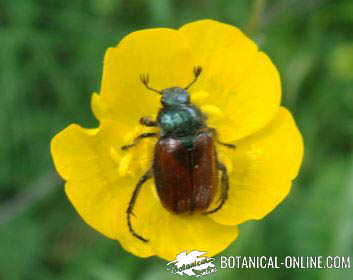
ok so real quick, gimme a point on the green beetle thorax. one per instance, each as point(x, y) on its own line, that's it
point(180, 120)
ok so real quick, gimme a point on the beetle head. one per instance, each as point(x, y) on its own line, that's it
point(174, 96)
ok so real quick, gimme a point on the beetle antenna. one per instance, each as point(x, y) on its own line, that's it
point(145, 79)
point(197, 72)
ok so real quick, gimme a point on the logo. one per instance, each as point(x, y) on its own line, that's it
point(192, 264)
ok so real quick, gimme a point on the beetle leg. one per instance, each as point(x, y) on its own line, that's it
point(147, 121)
point(224, 186)
point(142, 180)
point(138, 139)
point(214, 132)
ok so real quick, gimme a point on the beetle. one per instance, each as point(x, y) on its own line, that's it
point(185, 167)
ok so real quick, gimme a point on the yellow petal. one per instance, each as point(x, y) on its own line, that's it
point(98, 194)
point(73, 151)
point(263, 167)
point(99, 107)
point(239, 79)
point(223, 52)
point(102, 205)
point(164, 54)
point(252, 104)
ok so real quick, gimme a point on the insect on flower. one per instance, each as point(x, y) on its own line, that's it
point(185, 165)
point(173, 176)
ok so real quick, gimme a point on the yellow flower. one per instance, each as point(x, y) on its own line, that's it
point(239, 89)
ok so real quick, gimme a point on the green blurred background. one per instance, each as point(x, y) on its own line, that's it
point(51, 61)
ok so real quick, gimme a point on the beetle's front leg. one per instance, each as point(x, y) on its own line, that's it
point(139, 138)
point(147, 121)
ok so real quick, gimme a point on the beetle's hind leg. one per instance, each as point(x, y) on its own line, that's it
point(129, 211)
point(224, 188)
point(139, 138)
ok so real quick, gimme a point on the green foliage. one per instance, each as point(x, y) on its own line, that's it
point(51, 60)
